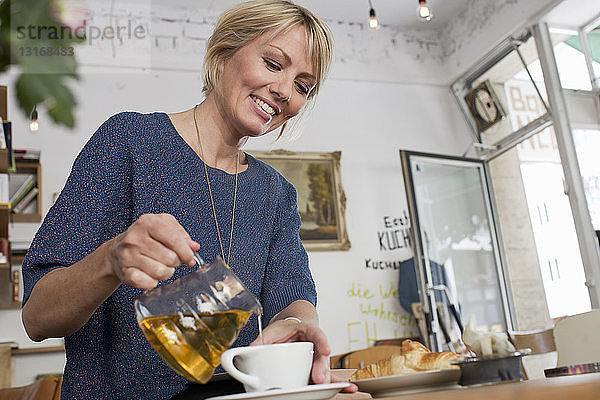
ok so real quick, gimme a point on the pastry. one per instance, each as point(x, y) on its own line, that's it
point(414, 358)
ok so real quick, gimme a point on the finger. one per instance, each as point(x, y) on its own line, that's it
point(314, 334)
point(350, 389)
point(156, 251)
point(320, 370)
point(289, 331)
point(154, 269)
point(134, 260)
point(281, 332)
point(195, 246)
point(136, 278)
point(341, 375)
point(168, 231)
point(278, 332)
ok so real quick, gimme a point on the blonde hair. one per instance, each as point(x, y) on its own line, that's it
point(246, 21)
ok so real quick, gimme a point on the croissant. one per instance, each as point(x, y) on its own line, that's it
point(380, 368)
point(414, 357)
point(429, 361)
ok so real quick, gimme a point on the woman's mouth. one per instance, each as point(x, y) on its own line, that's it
point(264, 106)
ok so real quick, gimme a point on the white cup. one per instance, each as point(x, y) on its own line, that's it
point(270, 366)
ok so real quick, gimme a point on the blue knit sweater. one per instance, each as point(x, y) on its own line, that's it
point(136, 164)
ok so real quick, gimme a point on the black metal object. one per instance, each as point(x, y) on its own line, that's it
point(456, 316)
point(447, 337)
point(490, 369)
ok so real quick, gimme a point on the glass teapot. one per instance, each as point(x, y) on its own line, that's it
point(194, 319)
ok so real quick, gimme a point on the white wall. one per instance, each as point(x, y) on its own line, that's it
point(388, 91)
point(482, 25)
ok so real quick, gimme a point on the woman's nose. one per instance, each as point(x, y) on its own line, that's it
point(282, 90)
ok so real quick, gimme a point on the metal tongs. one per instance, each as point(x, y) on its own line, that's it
point(453, 311)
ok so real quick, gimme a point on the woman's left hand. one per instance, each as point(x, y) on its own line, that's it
point(290, 330)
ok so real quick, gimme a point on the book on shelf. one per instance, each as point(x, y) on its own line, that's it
point(27, 154)
point(4, 195)
point(28, 198)
point(4, 250)
point(16, 277)
point(25, 187)
point(3, 102)
point(7, 127)
point(2, 137)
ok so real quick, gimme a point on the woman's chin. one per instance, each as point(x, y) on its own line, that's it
point(261, 130)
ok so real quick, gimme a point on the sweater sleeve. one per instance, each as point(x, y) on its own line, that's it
point(288, 277)
point(93, 207)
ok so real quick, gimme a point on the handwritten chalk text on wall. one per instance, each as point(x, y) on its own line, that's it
point(379, 311)
point(356, 291)
point(396, 234)
point(377, 305)
point(382, 265)
point(359, 331)
point(366, 332)
point(384, 292)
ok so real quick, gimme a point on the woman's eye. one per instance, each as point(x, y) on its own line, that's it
point(272, 65)
point(302, 88)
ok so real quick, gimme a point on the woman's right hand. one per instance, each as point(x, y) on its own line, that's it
point(150, 250)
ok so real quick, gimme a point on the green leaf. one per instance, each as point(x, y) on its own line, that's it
point(32, 89)
point(43, 77)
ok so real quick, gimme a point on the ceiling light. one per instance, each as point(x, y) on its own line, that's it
point(424, 11)
point(33, 125)
point(373, 23)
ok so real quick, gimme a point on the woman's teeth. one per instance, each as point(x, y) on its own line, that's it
point(267, 108)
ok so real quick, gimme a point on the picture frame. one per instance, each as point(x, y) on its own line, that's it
point(321, 197)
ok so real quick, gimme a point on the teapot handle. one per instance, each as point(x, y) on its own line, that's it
point(198, 259)
point(227, 364)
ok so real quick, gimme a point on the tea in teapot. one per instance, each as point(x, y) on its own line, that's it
point(193, 320)
point(192, 345)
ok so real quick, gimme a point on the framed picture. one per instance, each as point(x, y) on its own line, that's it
point(321, 198)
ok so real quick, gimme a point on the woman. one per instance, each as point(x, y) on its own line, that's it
point(149, 189)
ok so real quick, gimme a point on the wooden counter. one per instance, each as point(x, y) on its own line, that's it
point(577, 387)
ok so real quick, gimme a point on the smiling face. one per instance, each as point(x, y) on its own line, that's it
point(265, 83)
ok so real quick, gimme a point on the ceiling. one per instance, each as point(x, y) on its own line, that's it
point(401, 13)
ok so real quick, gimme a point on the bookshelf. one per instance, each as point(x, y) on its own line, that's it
point(7, 284)
point(3, 161)
point(15, 165)
point(27, 169)
point(10, 265)
point(4, 220)
point(9, 289)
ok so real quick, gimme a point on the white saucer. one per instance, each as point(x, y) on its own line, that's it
point(310, 392)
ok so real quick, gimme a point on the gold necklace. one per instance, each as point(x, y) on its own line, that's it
point(212, 202)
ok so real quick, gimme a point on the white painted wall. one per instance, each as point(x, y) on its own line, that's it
point(388, 91)
point(484, 24)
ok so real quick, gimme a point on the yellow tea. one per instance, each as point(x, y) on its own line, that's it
point(193, 346)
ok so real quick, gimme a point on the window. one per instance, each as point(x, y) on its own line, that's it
point(587, 143)
point(593, 38)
